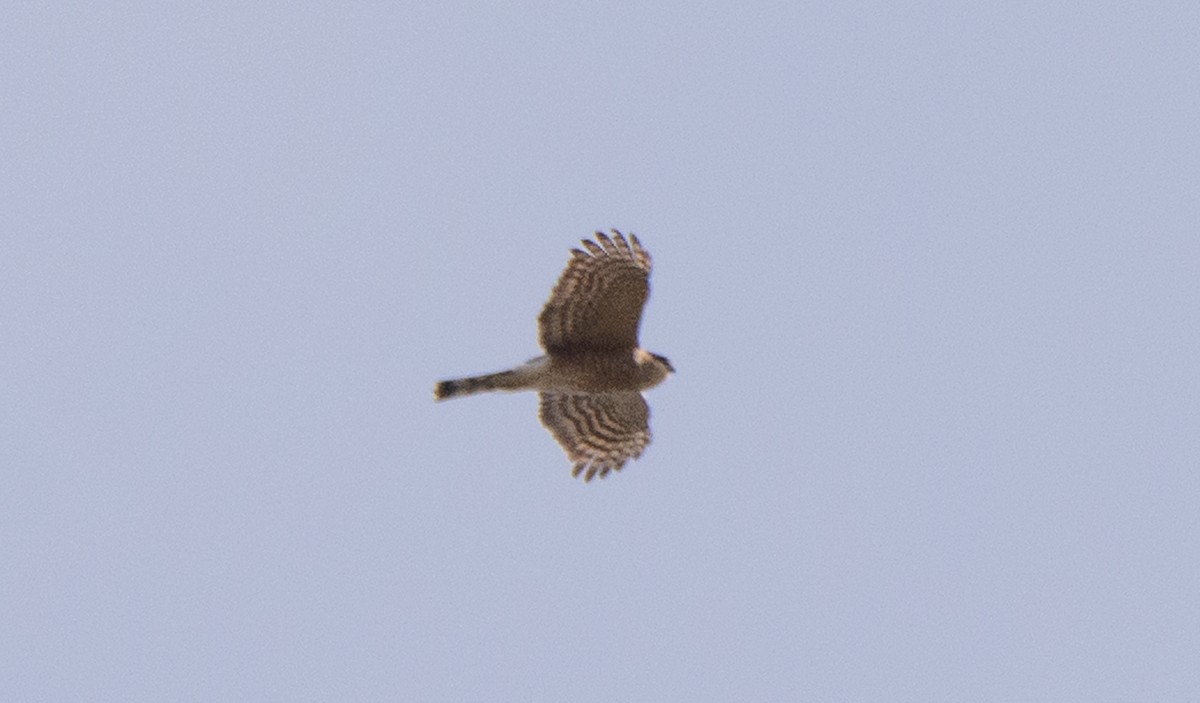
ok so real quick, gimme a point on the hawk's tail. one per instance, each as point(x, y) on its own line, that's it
point(457, 387)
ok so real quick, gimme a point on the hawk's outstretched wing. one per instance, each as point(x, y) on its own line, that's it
point(597, 302)
point(598, 431)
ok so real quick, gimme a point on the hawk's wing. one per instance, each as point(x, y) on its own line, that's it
point(598, 431)
point(597, 302)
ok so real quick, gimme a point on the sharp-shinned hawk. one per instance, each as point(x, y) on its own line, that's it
point(593, 372)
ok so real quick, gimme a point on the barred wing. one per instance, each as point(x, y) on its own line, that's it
point(597, 302)
point(598, 431)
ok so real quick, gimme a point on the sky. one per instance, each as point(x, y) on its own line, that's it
point(927, 272)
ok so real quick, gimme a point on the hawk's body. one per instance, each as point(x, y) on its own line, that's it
point(591, 377)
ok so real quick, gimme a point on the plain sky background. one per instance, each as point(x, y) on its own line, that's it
point(928, 273)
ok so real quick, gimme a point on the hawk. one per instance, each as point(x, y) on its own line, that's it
point(591, 378)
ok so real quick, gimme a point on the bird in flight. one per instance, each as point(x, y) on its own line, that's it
point(591, 378)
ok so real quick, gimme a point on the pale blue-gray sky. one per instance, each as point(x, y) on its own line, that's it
point(928, 273)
